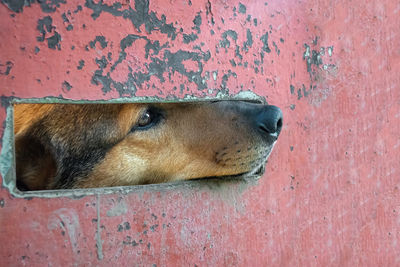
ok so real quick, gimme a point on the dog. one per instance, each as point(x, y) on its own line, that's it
point(60, 146)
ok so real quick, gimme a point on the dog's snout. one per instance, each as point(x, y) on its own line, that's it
point(269, 120)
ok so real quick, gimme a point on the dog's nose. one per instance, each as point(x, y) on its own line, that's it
point(269, 120)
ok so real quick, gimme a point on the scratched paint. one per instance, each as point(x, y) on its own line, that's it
point(68, 222)
point(330, 192)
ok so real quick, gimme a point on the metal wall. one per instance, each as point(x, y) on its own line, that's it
point(330, 195)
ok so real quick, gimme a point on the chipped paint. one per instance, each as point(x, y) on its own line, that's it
point(46, 6)
point(46, 28)
point(139, 16)
point(264, 39)
point(333, 178)
point(5, 68)
point(314, 58)
point(115, 73)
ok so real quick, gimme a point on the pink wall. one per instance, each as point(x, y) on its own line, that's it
point(330, 195)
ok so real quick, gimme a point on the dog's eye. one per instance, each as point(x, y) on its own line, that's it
point(145, 119)
point(148, 119)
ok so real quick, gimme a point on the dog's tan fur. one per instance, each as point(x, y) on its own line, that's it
point(193, 140)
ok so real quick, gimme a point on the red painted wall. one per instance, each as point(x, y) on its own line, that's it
point(330, 195)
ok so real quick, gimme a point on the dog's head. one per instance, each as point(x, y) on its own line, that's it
point(96, 145)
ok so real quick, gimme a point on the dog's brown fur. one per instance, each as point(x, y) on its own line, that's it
point(93, 145)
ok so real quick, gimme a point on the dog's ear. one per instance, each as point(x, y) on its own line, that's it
point(35, 165)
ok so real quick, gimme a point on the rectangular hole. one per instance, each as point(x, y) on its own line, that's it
point(36, 123)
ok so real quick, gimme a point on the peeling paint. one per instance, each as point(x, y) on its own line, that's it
point(101, 40)
point(225, 43)
point(197, 23)
point(264, 40)
point(345, 121)
point(314, 59)
point(124, 227)
point(242, 8)
point(81, 64)
point(139, 16)
point(171, 62)
point(249, 42)
point(46, 28)
point(277, 50)
point(5, 69)
point(66, 86)
point(47, 6)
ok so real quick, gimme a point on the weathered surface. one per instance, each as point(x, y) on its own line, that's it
point(330, 194)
